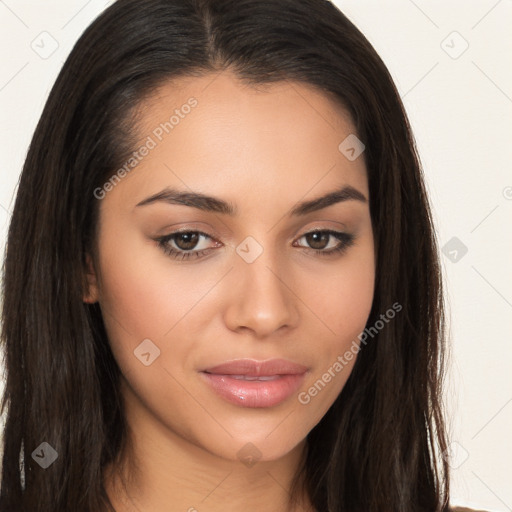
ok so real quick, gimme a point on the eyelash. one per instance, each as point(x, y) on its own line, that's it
point(346, 241)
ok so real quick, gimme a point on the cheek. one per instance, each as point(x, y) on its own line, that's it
point(144, 297)
point(342, 302)
point(144, 292)
point(147, 296)
point(342, 296)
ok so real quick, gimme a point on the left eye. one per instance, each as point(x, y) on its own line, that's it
point(322, 240)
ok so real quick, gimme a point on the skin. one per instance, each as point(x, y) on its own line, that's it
point(263, 150)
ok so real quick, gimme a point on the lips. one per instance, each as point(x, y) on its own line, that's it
point(251, 383)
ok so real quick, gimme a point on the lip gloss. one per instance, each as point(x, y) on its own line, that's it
point(265, 391)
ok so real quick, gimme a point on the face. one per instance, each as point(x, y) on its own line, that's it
point(216, 250)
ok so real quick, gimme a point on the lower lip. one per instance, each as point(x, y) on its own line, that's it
point(254, 393)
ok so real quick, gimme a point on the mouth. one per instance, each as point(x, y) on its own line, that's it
point(255, 384)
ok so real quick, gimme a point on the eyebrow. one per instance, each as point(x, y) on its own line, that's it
point(216, 205)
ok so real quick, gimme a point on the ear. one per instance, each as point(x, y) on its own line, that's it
point(91, 293)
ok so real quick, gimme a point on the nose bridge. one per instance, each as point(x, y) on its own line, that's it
point(261, 301)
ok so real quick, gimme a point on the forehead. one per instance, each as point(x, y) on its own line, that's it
point(211, 131)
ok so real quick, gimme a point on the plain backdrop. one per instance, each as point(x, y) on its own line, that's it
point(451, 63)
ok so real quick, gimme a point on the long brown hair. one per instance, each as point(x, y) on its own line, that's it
point(378, 447)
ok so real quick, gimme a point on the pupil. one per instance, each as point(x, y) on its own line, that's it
point(187, 241)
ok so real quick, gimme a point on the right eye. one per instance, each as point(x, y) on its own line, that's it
point(182, 244)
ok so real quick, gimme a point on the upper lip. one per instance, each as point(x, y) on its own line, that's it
point(256, 368)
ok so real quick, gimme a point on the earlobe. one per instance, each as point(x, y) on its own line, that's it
point(90, 282)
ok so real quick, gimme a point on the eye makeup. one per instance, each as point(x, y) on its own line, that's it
point(189, 239)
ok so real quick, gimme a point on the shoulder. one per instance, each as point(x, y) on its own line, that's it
point(463, 509)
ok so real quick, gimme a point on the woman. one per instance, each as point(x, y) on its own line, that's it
point(221, 285)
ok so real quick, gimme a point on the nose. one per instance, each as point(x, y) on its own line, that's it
point(261, 298)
